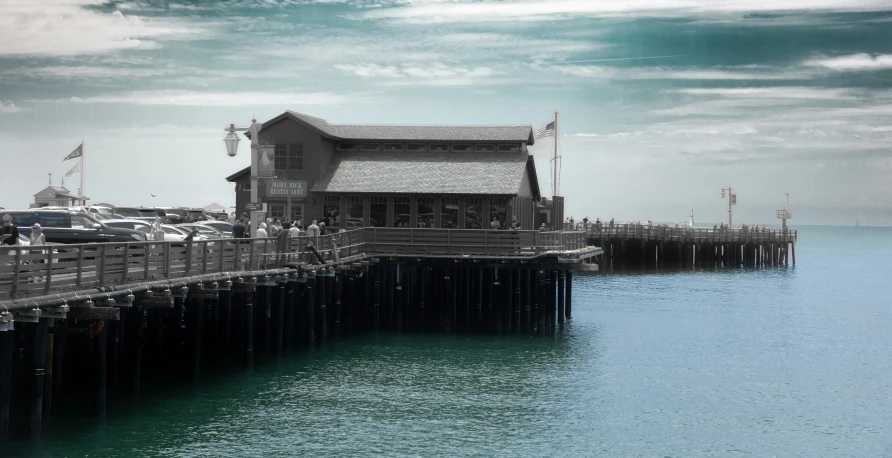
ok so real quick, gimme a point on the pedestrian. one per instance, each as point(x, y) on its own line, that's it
point(514, 225)
point(294, 231)
point(495, 223)
point(188, 218)
point(542, 228)
point(232, 217)
point(313, 229)
point(238, 229)
point(322, 228)
point(10, 231)
point(157, 230)
point(610, 226)
point(37, 237)
point(261, 232)
point(272, 229)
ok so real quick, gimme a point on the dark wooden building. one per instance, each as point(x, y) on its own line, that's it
point(353, 176)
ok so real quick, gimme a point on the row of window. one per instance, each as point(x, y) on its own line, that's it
point(432, 147)
point(289, 156)
point(402, 208)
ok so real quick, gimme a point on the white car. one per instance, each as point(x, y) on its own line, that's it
point(171, 234)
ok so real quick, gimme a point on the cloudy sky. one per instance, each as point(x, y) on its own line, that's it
point(662, 102)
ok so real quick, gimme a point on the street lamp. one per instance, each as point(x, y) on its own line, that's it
point(231, 140)
point(732, 200)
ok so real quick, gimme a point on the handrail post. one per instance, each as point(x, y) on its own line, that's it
point(49, 271)
point(102, 264)
point(204, 256)
point(80, 265)
point(16, 271)
point(126, 263)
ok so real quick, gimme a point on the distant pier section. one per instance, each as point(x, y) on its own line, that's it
point(638, 246)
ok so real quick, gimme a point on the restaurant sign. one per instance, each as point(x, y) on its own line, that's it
point(286, 188)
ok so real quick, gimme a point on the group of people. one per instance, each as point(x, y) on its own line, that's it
point(722, 227)
point(9, 233)
point(273, 227)
point(496, 224)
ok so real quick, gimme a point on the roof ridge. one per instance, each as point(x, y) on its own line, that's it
point(433, 125)
point(307, 116)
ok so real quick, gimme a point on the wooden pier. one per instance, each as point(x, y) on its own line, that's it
point(635, 246)
point(80, 323)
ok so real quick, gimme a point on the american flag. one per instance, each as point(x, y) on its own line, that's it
point(545, 131)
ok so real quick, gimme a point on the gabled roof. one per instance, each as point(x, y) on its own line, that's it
point(57, 190)
point(385, 132)
point(429, 173)
point(235, 176)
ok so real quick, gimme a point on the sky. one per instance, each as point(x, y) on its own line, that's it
point(662, 103)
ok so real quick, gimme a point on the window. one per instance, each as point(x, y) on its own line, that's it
point(51, 220)
point(439, 147)
point(461, 148)
point(331, 210)
point(401, 209)
point(378, 211)
point(297, 212)
point(449, 213)
point(474, 213)
point(296, 156)
point(509, 148)
point(281, 156)
point(425, 206)
point(80, 221)
point(370, 146)
point(416, 147)
point(347, 146)
point(484, 148)
point(355, 212)
point(277, 211)
point(393, 147)
point(498, 208)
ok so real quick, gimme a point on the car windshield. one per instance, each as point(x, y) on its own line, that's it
point(220, 225)
point(149, 213)
point(173, 230)
point(119, 223)
point(203, 230)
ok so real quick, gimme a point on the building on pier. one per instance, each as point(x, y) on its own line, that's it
point(57, 196)
point(352, 176)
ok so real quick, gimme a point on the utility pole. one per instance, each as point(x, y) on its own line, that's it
point(732, 200)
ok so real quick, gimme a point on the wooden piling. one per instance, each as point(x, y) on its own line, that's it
point(478, 318)
point(248, 341)
point(338, 284)
point(195, 306)
point(100, 370)
point(569, 299)
point(279, 318)
point(517, 302)
point(560, 297)
point(376, 300)
point(526, 275)
point(6, 350)
point(310, 305)
point(498, 299)
point(422, 294)
point(136, 320)
point(60, 341)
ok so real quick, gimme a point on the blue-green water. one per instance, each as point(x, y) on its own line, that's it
point(777, 362)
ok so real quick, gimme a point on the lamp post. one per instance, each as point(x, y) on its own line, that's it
point(732, 200)
point(784, 214)
point(231, 140)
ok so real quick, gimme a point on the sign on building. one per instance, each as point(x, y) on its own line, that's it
point(286, 188)
point(266, 164)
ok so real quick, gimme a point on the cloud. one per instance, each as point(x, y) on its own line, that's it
point(854, 62)
point(223, 99)
point(70, 27)
point(673, 73)
point(9, 107)
point(435, 73)
point(92, 72)
point(438, 11)
point(775, 92)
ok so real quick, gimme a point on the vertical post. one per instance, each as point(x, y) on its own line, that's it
point(136, 322)
point(498, 300)
point(452, 284)
point(6, 344)
point(37, 362)
point(540, 303)
point(320, 299)
point(248, 300)
point(101, 369)
point(422, 295)
point(48, 368)
point(60, 339)
point(517, 274)
point(527, 287)
point(280, 318)
point(479, 312)
point(376, 291)
point(197, 312)
point(560, 298)
point(309, 304)
point(389, 292)
point(569, 300)
point(290, 295)
point(338, 284)
point(466, 296)
point(399, 294)
point(508, 307)
point(267, 317)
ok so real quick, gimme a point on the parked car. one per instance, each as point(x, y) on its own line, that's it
point(206, 231)
point(60, 226)
point(145, 214)
point(222, 226)
point(171, 216)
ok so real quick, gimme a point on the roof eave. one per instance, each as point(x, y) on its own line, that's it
point(534, 179)
point(235, 176)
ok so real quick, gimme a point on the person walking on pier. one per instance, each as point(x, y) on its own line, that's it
point(495, 223)
point(10, 231)
point(37, 238)
point(261, 232)
point(542, 228)
point(238, 229)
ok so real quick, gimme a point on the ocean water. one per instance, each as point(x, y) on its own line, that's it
point(766, 362)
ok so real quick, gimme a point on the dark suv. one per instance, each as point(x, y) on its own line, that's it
point(60, 226)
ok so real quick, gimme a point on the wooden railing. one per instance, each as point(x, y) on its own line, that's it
point(36, 271)
point(697, 234)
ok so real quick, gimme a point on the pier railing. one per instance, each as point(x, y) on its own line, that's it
point(45, 270)
point(697, 234)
